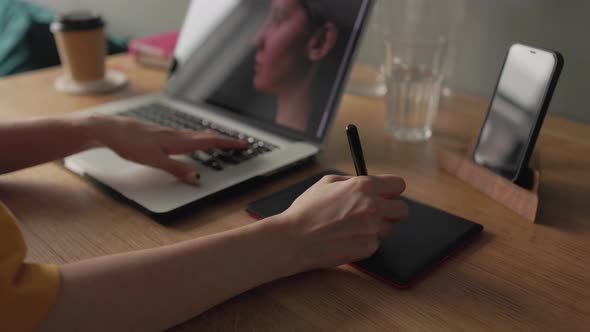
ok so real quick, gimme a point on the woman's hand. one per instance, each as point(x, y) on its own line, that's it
point(151, 144)
point(340, 219)
point(337, 221)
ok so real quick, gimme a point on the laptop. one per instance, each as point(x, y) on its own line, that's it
point(268, 72)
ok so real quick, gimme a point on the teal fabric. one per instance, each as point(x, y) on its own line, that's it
point(16, 18)
point(26, 42)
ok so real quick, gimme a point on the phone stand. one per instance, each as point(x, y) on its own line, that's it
point(518, 199)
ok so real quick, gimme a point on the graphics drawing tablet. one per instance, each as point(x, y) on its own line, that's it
point(427, 237)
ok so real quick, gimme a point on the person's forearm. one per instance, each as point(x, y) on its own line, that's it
point(25, 143)
point(155, 289)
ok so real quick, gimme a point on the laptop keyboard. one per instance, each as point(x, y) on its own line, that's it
point(215, 159)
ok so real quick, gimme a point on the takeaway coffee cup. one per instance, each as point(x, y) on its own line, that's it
point(81, 43)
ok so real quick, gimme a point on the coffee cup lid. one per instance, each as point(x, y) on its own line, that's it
point(77, 21)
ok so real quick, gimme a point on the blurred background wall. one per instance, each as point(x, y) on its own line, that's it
point(483, 32)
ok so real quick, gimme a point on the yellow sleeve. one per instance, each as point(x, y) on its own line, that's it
point(27, 291)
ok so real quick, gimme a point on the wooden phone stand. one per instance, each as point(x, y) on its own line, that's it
point(518, 199)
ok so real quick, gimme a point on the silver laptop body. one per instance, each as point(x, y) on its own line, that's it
point(215, 39)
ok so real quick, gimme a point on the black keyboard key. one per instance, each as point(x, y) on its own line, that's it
point(248, 154)
point(232, 157)
point(226, 157)
point(202, 156)
point(215, 165)
point(207, 160)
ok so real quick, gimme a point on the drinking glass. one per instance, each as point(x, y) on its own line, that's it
point(414, 81)
point(416, 43)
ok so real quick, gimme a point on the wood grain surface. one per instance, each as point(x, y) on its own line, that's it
point(523, 201)
point(517, 276)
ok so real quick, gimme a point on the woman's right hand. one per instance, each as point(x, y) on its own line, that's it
point(150, 144)
point(340, 219)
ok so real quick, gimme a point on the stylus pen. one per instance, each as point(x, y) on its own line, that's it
point(357, 157)
point(356, 150)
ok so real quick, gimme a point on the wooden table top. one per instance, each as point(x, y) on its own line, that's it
point(518, 276)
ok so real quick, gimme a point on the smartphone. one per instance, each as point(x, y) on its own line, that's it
point(517, 109)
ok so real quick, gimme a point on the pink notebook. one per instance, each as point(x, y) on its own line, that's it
point(156, 50)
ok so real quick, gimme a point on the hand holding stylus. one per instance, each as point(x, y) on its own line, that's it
point(341, 218)
point(358, 158)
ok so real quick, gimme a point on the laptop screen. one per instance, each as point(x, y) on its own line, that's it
point(276, 63)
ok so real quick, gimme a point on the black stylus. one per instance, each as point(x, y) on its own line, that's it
point(357, 157)
point(356, 150)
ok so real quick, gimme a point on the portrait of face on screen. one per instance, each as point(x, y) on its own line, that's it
point(281, 61)
point(290, 48)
